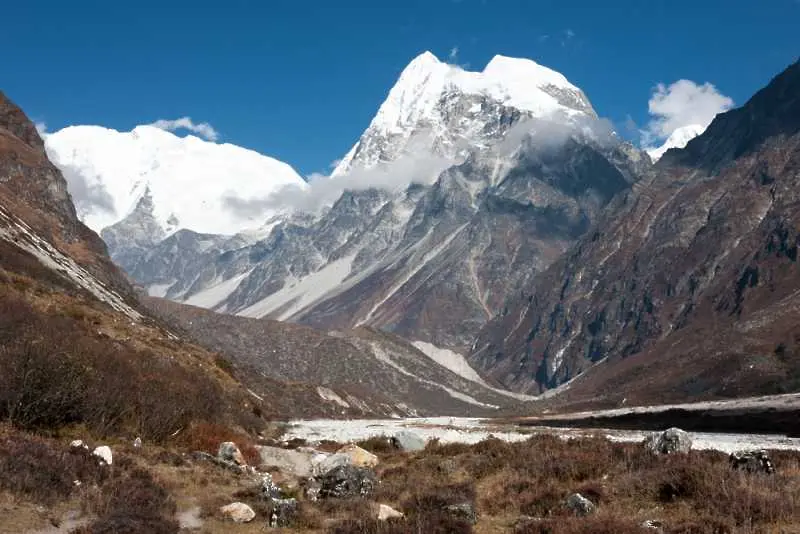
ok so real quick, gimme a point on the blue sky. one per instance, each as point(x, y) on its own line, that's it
point(300, 80)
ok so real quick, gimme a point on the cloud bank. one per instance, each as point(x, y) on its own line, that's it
point(203, 129)
point(680, 104)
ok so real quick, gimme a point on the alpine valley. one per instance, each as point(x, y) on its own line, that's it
point(488, 233)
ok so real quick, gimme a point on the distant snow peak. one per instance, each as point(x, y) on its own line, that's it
point(678, 139)
point(109, 172)
point(456, 104)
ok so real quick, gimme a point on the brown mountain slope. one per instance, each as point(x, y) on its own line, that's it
point(689, 288)
point(75, 346)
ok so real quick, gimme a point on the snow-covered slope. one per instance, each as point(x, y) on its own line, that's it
point(429, 94)
point(678, 139)
point(194, 184)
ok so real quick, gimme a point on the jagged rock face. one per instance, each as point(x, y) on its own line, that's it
point(34, 190)
point(681, 286)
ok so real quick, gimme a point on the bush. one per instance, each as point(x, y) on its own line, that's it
point(206, 437)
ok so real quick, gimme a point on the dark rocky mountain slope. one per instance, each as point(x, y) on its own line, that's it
point(687, 287)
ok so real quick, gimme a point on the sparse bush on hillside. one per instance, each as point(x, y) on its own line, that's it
point(206, 437)
point(53, 373)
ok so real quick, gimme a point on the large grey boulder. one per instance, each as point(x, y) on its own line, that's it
point(408, 441)
point(291, 462)
point(326, 464)
point(580, 505)
point(347, 481)
point(670, 441)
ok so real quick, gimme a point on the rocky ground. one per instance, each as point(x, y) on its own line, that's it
point(212, 480)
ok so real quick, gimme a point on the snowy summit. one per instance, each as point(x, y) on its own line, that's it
point(191, 181)
point(678, 139)
point(416, 99)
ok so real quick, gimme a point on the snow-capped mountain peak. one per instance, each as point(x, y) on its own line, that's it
point(678, 139)
point(427, 86)
point(193, 183)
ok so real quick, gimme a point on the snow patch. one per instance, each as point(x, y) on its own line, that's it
point(301, 293)
point(216, 293)
point(329, 395)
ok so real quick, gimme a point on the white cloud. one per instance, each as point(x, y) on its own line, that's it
point(680, 104)
point(203, 129)
point(416, 165)
point(453, 57)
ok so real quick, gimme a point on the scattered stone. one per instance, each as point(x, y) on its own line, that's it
point(752, 461)
point(78, 443)
point(358, 456)
point(137, 443)
point(347, 481)
point(580, 505)
point(408, 441)
point(462, 511)
point(654, 524)
point(387, 512)
point(238, 512)
point(229, 452)
point(104, 453)
point(269, 489)
point(524, 523)
point(283, 513)
point(671, 441)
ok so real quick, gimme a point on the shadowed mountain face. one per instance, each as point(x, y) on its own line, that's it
point(687, 287)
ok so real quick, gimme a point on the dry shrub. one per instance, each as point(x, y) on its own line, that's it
point(132, 503)
point(599, 524)
point(56, 374)
point(378, 445)
point(206, 437)
point(42, 470)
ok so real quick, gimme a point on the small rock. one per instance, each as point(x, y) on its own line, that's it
point(408, 441)
point(654, 524)
point(671, 441)
point(238, 512)
point(137, 443)
point(752, 461)
point(462, 511)
point(580, 505)
point(78, 443)
point(359, 457)
point(104, 453)
point(387, 512)
point(347, 481)
point(283, 513)
point(269, 489)
point(229, 452)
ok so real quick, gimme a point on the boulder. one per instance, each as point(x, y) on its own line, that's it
point(386, 512)
point(580, 505)
point(326, 464)
point(671, 441)
point(408, 441)
point(229, 452)
point(358, 456)
point(463, 512)
point(291, 462)
point(78, 444)
point(752, 461)
point(347, 481)
point(238, 512)
point(137, 443)
point(104, 453)
point(283, 513)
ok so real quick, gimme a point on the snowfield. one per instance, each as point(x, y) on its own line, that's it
point(472, 430)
